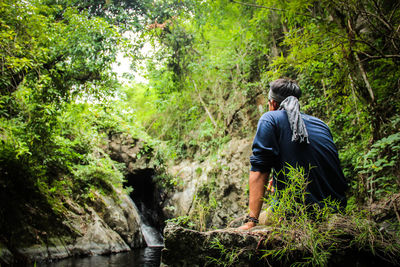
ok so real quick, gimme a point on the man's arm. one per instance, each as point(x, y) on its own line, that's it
point(257, 182)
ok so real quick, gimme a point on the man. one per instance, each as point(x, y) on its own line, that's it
point(286, 136)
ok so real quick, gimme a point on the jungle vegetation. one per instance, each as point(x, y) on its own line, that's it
point(207, 66)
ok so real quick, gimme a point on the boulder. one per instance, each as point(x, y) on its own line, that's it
point(334, 243)
point(123, 218)
point(109, 225)
point(227, 247)
point(98, 238)
point(95, 237)
point(55, 249)
point(134, 153)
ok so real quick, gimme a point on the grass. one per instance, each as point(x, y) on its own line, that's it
point(311, 235)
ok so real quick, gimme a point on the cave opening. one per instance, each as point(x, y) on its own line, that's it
point(146, 195)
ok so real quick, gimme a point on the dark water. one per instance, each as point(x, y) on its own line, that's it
point(148, 257)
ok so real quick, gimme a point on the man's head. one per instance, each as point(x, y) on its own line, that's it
point(279, 90)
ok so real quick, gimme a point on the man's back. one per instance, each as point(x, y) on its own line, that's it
point(273, 148)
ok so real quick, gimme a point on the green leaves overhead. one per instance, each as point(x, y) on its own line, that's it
point(54, 55)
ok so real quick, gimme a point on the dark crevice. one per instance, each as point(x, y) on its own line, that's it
point(146, 196)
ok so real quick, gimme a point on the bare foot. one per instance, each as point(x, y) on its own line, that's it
point(247, 226)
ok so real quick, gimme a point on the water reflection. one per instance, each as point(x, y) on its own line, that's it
point(147, 257)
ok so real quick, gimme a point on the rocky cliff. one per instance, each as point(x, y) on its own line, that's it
point(213, 191)
point(108, 225)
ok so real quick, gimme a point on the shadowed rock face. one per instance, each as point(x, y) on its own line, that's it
point(185, 247)
point(123, 218)
point(232, 247)
point(134, 153)
point(107, 227)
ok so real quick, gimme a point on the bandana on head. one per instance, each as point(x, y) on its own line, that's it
point(292, 107)
point(275, 96)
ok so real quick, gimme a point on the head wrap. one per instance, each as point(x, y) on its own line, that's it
point(286, 92)
point(275, 96)
point(299, 130)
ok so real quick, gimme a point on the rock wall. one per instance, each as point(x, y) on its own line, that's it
point(106, 226)
point(139, 159)
point(102, 224)
point(220, 181)
point(134, 153)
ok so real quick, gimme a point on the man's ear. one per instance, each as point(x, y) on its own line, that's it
point(273, 105)
point(276, 105)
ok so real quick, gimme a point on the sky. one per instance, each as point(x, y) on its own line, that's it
point(123, 63)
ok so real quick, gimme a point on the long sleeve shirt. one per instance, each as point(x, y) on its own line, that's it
point(273, 149)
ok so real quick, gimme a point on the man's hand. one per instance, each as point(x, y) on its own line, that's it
point(247, 226)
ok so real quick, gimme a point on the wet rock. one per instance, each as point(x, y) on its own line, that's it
point(109, 226)
point(123, 218)
point(34, 253)
point(101, 224)
point(99, 238)
point(272, 246)
point(51, 251)
point(95, 237)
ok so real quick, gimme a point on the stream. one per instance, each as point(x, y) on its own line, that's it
point(149, 257)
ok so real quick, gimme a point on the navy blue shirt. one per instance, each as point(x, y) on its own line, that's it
point(273, 149)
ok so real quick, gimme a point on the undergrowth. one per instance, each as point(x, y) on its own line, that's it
point(302, 234)
point(311, 235)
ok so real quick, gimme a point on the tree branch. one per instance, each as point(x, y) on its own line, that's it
point(365, 78)
point(204, 105)
point(378, 57)
point(394, 11)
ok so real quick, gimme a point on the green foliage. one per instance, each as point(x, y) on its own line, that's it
point(167, 181)
point(310, 234)
point(228, 256)
point(99, 172)
point(370, 237)
point(379, 167)
point(210, 64)
point(201, 212)
point(183, 221)
point(51, 56)
point(55, 108)
point(205, 202)
point(195, 64)
point(298, 222)
point(121, 12)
